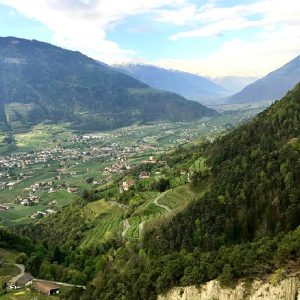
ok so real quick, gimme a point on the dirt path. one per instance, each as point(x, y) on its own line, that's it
point(161, 205)
point(141, 225)
point(22, 271)
point(126, 227)
point(141, 228)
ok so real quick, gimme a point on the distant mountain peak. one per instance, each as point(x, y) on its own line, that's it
point(190, 86)
point(40, 82)
point(271, 87)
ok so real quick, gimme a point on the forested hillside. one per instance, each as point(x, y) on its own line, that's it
point(243, 223)
point(255, 190)
point(242, 227)
point(43, 83)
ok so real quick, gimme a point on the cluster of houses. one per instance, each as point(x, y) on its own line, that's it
point(127, 184)
point(5, 206)
point(20, 163)
point(144, 175)
point(45, 287)
point(28, 200)
point(9, 185)
point(118, 167)
point(90, 136)
point(21, 160)
point(40, 214)
point(27, 280)
point(40, 186)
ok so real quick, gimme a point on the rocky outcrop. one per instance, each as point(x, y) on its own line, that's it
point(287, 289)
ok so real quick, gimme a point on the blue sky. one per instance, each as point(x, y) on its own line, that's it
point(207, 37)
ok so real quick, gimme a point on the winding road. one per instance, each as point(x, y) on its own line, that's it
point(141, 228)
point(126, 227)
point(22, 271)
point(141, 225)
point(168, 209)
point(155, 202)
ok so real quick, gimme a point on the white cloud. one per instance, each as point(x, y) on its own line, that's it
point(82, 24)
point(211, 20)
point(217, 28)
point(277, 40)
point(244, 58)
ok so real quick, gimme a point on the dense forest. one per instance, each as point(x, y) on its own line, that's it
point(245, 226)
point(244, 223)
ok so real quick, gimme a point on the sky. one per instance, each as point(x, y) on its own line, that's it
point(208, 37)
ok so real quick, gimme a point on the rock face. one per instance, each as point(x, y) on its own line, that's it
point(287, 289)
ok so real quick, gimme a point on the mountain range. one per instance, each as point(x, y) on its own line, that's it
point(271, 87)
point(40, 82)
point(188, 85)
point(234, 84)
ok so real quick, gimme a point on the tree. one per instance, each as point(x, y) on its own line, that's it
point(9, 140)
point(22, 258)
point(226, 276)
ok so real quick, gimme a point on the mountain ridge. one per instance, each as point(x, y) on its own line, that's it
point(56, 84)
point(273, 86)
point(190, 86)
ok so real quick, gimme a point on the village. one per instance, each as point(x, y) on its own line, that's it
point(19, 168)
point(72, 163)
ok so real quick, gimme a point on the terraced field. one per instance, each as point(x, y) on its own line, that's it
point(107, 220)
point(173, 199)
point(143, 215)
point(178, 197)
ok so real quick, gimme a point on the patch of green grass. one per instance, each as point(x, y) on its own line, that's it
point(42, 136)
point(20, 214)
point(199, 165)
point(26, 294)
point(9, 270)
point(144, 213)
point(8, 255)
point(62, 197)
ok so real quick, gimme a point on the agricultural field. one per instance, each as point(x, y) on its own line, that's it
point(137, 220)
point(177, 198)
point(106, 219)
point(55, 164)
